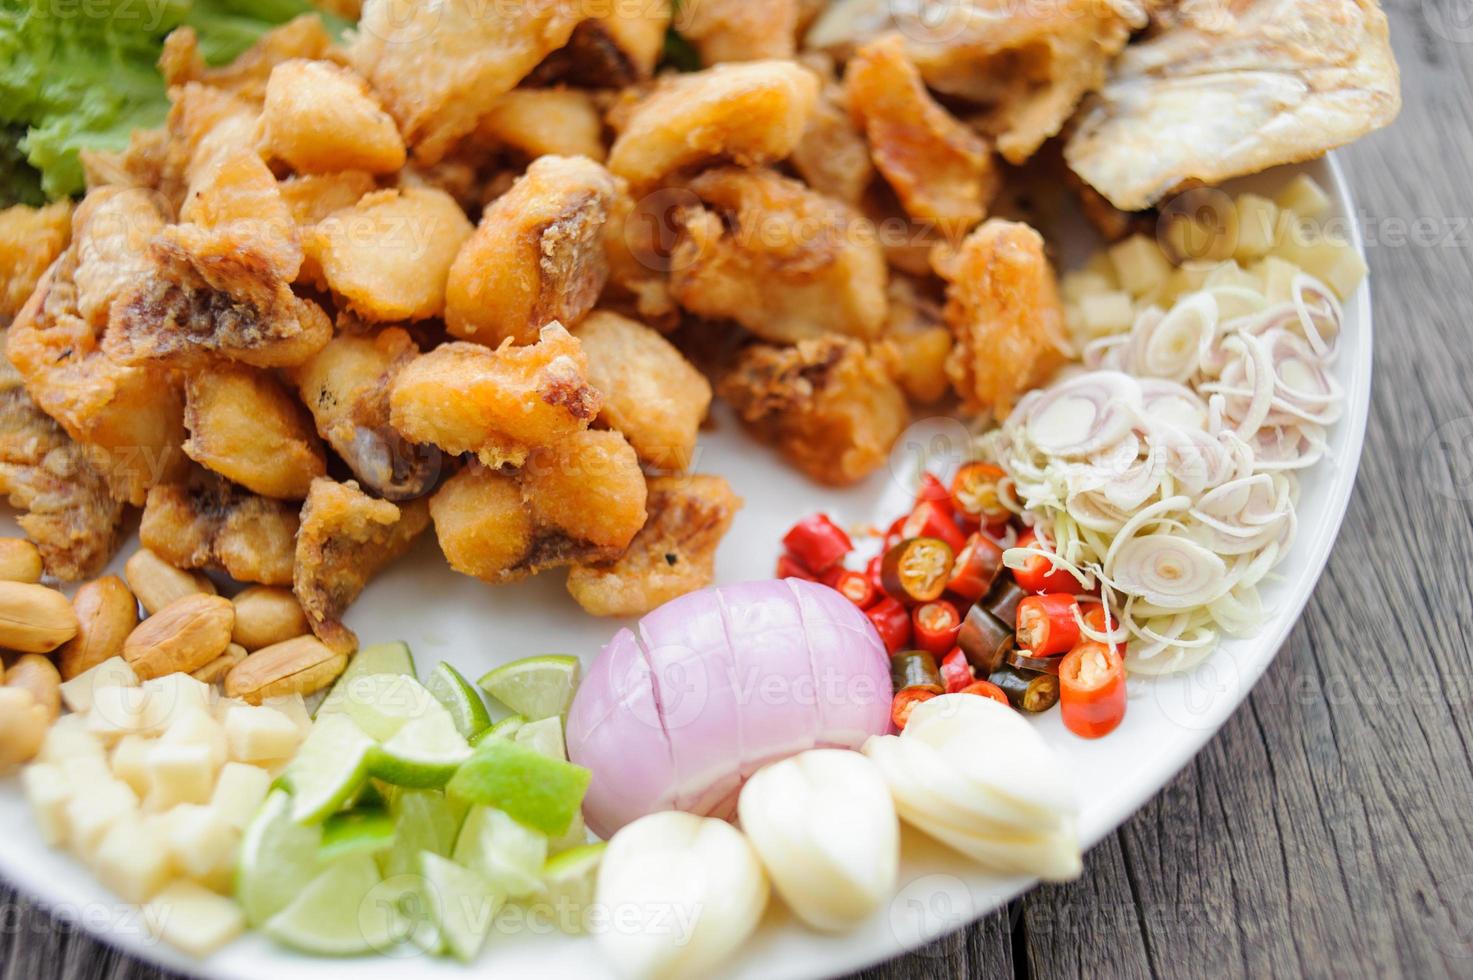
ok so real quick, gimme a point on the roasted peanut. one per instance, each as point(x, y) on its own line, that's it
point(301, 665)
point(106, 613)
point(23, 725)
point(33, 618)
point(214, 672)
point(265, 616)
point(156, 583)
point(37, 674)
point(181, 637)
point(19, 560)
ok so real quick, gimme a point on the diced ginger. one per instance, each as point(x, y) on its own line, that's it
point(115, 672)
point(178, 774)
point(197, 726)
point(1080, 283)
point(132, 860)
point(94, 807)
point(116, 711)
point(193, 918)
point(201, 841)
point(239, 793)
point(1303, 195)
point(1258, 220)
point(47, 791)
point(1139, 264)
point(69, 738)
point(260, 734)
point(1278, 278)
point(1105, 313)
point(171, 697)
point(294, 706)
point(129, 762)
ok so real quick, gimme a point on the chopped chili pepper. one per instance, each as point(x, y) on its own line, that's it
point(872, 571)
point(1092, 690)
point(915, 668)
point(818, 543)
point(935, 626)
point(1046, 624)
point(856, 587)
point(1027, 690)
point(984, 640)
point(1003, 600)
point(974, 493)
point(987, 689)
point(892, 622)
point(1020, 660)
point(976, 568)
point(788, 567)
point(932, 520)
point(893, 535)
point(916, 569)
point(1095, 619)
point(1039, 574)
point(956, 673)
point(934, 491)
point(905, 702)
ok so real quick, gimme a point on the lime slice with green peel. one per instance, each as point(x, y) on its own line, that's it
point(382, 704)
point(460, 698)
point(330, 766)
point(424, 754)
point(509, 855)
point(381, 658)
point(278, 857)
point(337, 914)
point(544, 735)
point(575, 836)
point(362, 830)
point(505, 728)
point(462, 904)
point(570, 878)
point(541, 792)
point(424, 820)
point(537, 687)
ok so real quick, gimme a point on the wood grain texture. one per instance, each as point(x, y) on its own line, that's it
point(1327, 830)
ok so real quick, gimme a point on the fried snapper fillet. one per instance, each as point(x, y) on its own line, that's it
point(616, 46)
point(205, 521)
point(739, 30)
point(346, 538)
point(69, 512)
point(1229, 89)
point(30, 240)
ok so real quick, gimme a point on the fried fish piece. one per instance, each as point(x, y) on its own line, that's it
point(140, 164)
point(920, 339)
point(545, 121)
point(346, 387)
point(347, 538)
point(827, 404)
point(673, 554)
point(941, 170)
point(832, 157)
point(497, 403)
point(246, 76)
point(588, 486)
point(1222, 91)
point(312, 197)
point(205, 521)
point(439, 67)
point(30, 240)
point(245, 426)
point(779, 259)
point(484, 528)
point(320, 118)
point(739, 30)
point(537, 256)
point(1003, 308)
point(752, 113)
point(69, 512)
point(637, 244)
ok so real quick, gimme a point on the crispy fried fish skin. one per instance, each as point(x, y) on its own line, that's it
point(588, 486)
point(782, 261)
point(206, 521)
point(1235, 90)
point(347, 538)
point(827, 404)
point(245, 426)
point(248, 74)
point(322, 118)
point(752, 113)
point(1003, 308)
point(69, 512)
point(439, 67)
point(674, 553)
point(739, 30)
point(537, 256)
point(469, 398)
point(129, 418)
point(30, 240)
point(546, 121)
point(941, 170)
point(616, 47)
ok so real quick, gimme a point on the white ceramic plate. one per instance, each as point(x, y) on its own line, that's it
point(446, 616)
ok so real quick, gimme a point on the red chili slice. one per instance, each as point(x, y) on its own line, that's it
point(987, 689)
point(916, 570)
point(892, 622)
point(935, 626)
point(788, 567)
point(1046, 624)
point(932, 520)
point(856, 587)
point(956, 673)
point(976, 568)
point(905, 702)
point(818, 543)
point(974, 493)
point(1039, 574)
point(1092, 690)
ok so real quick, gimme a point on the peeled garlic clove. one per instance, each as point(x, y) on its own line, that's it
point(824, 825)
point(681, 893)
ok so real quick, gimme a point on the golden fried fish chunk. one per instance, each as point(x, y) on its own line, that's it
point(140, 164)
point(920, 340)
point(347, 538)
point(828, 405)
point(30, 240)
point(388, 256)
point(752, 113)
point(651, 393)
point(346, 387)
point(483, 526)
point(673, 554)
point(320, 118)
point(637, 243)
point(832, 157)
point(537, 256)
point(941, 170)
point(1003, 308)
point(781, 260)
point(206, 521)
point(545, 121)
point(69, 512)
point(1224, 91)
point(589, 486)
point(739, 30)
point(245, 426)
point(312, 197)
point(496, 403)
point(246, 76)
point(438, 67)
point(616, 46)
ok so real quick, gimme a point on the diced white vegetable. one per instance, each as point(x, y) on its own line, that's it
point(223, 705)
point(170, 697)
point(294, 706)
point(260, 734)
point(1304, 196)
point(48, 791)
point(94, 808)
point(1105, 313)
point(132, 860)
point(194, 919)
point(116, 672)
point(239, 793)
point(68, 738)
point(179, 774)
point(1139, 264)
point(201, 842)
point(1079, 284)
point(197, 726)
point(130, 762)
point(116, 711)
point(1258, 222)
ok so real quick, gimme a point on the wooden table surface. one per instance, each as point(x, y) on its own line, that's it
point(1328, 828)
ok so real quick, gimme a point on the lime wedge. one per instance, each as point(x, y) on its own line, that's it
point(538, 687)
point(544, 736)
point(337, 913)
point(361, 830)
point(424, 754)
point(505, 728)
point(462, 904)
point(507, 854)
point(543, 793)
point(570, 878)
point(575, 836)
point(278, 857)
point(461, 699)
point(328, 768)
point(424, 820)
point(382, 658)
point(382, 704)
